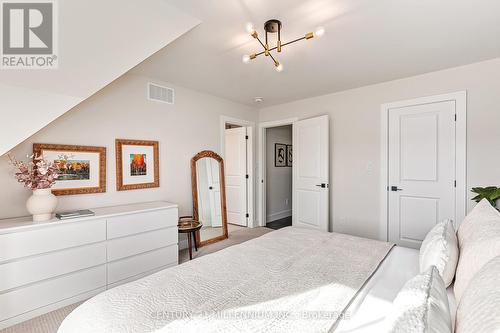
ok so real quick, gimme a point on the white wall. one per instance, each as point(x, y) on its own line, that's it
point(278, 179)
point(121, 110)
point(40, 96)
point(355, 136)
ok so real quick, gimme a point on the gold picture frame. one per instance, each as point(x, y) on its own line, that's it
point(126, 168)
point(86, 181)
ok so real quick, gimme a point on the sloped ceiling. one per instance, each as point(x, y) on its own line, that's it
point(98, 42)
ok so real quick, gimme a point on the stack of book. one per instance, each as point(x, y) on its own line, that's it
point(74, 214)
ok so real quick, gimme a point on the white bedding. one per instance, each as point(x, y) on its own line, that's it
point(291, 280)
point(369, 308)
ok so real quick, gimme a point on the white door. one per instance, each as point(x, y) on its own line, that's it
point(235, 160)
point(310, 173)
point(421, 170)
point(213, 173)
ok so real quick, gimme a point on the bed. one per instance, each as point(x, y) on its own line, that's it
point(290, 280)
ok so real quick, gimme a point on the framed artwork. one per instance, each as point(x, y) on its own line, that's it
point(137, 164)
point(279, 155)
point(289, 155)
point(82, 169)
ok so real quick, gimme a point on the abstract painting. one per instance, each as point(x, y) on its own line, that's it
point(137, 164)
point(72, 169)
point(280, 155)
point(289, 155)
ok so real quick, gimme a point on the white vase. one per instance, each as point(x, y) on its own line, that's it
point(42, 204)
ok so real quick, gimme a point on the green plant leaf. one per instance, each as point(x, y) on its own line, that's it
point(491, 193)
point(477, 198)
point(496, 194)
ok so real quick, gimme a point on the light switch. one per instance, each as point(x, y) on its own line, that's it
point(369, 168)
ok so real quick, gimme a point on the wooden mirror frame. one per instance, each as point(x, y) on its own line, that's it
point(194, 187)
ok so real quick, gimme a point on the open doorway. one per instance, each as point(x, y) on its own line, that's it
point(278, 175)
point(309, 160)
point(238, 151)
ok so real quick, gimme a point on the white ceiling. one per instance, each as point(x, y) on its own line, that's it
point(366, 42)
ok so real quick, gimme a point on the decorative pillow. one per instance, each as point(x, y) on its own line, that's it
point(440, 249)
point(421, 306)
point(479, 308)
point(482, 220)
point(479, 242)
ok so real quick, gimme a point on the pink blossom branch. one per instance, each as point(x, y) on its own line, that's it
point(37, 173)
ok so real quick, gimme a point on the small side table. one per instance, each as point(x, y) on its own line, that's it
point(189, 227)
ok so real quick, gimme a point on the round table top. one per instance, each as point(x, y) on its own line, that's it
point(189, 225)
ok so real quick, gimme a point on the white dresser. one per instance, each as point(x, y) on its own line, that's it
point(45, 266)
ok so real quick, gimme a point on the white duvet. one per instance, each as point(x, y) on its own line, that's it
point(290, 280)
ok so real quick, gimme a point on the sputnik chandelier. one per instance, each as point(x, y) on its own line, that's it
point(271, 27)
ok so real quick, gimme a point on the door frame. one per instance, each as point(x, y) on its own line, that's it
point(250, 160)
point(261, 203)
point(460, 99)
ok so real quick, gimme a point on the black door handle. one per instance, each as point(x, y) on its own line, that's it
point(395, 188)
point(210, 188)
point(322, 185)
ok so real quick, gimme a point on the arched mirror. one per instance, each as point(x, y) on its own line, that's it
point(209, 197)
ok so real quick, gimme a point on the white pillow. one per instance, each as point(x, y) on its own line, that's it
point(421, 306)
point(479, 308)
point(440, 249)
point(479, 223)
point(479, 242)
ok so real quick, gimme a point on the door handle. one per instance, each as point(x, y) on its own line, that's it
point(322, 185)
point(395, 188)
point(210, 188)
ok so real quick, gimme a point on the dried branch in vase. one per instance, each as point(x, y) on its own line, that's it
point(35, 174)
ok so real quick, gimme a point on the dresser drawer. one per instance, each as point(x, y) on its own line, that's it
point(50, 291)
point(120, 226)
point(18, 273)
point(126, 268)
point(57, 237)
point(128, 246)
point(140, 276)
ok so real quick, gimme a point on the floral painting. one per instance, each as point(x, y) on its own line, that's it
point(138, 165)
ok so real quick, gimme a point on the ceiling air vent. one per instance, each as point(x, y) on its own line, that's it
point(160, 94)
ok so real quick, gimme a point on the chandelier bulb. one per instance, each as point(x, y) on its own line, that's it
point(320, 31)
point(279, 67)
point(250, 29)
point(245, 59)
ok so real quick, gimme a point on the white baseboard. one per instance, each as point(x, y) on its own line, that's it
point(279, 215)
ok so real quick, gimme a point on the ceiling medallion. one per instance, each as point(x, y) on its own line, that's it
point(271, 27)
